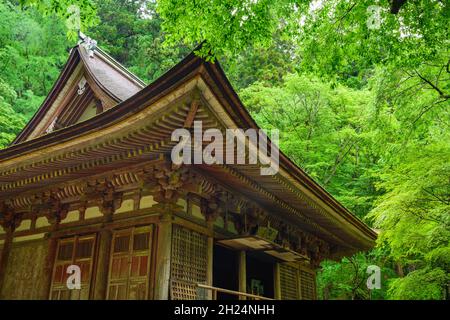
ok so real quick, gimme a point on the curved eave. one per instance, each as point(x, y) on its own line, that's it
point(214, 76)
point(247, 121)
point(68, 69)
point(124, 109)
point(75, 58)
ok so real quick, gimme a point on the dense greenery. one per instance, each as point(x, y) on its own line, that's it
point(33, 50)
point(362, 104)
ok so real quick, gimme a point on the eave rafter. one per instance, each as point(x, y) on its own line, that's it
point(136, 147)
point(290, 213)
point(139, 131)
point(142, 144)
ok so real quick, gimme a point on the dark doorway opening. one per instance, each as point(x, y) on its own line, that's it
point(225, 271)
point(260, 276)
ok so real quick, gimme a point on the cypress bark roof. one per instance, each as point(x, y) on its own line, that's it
point(110, 82)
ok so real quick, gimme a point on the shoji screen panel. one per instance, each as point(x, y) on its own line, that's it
point(188, 263)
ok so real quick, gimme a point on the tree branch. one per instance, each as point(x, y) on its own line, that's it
point(442, 94)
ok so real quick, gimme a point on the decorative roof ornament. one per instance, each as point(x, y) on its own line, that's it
point(89, 44)
point(81, 86)
point(52, 125)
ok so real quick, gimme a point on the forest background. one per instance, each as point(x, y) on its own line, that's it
point(359, 90)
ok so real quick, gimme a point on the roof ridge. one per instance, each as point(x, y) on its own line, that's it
point(91, 45)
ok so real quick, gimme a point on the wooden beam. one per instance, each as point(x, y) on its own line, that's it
point(50, 258)
point(162, 270)
point(191, 114)
point(276, 281)
point(300, 294)
point(5, 257)
point(49, 261)
point(210, 256)
point(102, 269)
point(242, 270)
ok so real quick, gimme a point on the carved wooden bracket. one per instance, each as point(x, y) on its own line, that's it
point(168, 182)
point(319, 252)
point(213, 207)
point(9, 220)
point(50, 205)
point(104, 193)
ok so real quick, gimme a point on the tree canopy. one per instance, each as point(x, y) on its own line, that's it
point(358, 89)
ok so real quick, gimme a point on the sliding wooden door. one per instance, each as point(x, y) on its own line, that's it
point(79, 251)
point(129, 267)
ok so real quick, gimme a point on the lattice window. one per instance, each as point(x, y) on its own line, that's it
point(78, 251)
point(289, 282)
point(188, 263)
point(308, 285)
point(130, 264)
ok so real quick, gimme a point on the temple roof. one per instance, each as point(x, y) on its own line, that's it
point(90, 78)
point(138, 129)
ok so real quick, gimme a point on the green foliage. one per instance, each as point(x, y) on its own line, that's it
point(225, 25)
point(414, 216)
point(10, 121)
point(324, 130)
point(131, 32)
point(32, 52)
point(77, 14)
point(424, 284)
point(341, 38)
point(265, 65)
point(363, 110)
point(333, 33)
point(346, 280)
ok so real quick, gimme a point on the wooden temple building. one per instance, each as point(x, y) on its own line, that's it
point(89, 182)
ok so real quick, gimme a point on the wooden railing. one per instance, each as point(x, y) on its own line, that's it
point(239, 294)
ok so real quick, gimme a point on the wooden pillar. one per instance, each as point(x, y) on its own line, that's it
point(49, 261)
point(9, 222)
point(164, 247)
point(110, 202)
point(300, 297)
point(242, 260)
point(55, 214)
point(276, 281)
point(51, 253)
point(210, 255)
point(5, 257)
point(315, 286)
point(102, 270)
